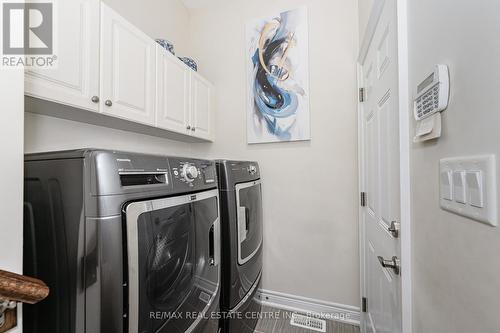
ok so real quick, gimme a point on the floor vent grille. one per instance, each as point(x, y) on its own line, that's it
point(311, 323)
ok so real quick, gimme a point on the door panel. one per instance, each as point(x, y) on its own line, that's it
point(128, 64)
point(167, 239)
point(380, 167)
point(249, 213)
point(173, 263)
point(372, 153)
point(201, 107)
point(76, 79)
point(389, 173)
point(173, 92)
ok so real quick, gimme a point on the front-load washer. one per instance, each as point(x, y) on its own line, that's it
point(126, 242)
point(241, 225)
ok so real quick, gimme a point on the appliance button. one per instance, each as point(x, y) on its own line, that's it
point(252, 169)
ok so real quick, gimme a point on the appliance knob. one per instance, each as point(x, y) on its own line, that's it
point(252, 169)
point(190, 172)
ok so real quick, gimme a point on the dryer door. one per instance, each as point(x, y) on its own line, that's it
point(249, 213)
point(173, 263)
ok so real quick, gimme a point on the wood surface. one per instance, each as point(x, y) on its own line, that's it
point(20, 288)
point(10, 320)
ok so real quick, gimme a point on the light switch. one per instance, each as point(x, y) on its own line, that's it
point(446, 185)
point(475, 188)
point(459, 186)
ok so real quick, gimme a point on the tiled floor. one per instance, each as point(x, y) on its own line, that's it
point(278, 321)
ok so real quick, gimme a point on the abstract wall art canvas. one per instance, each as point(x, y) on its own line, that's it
point(278, 78)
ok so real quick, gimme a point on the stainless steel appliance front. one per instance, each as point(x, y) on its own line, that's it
point(249, 215)
point(173, 247)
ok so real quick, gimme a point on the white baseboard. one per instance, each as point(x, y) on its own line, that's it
point(326, 310)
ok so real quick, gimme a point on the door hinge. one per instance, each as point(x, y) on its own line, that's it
point(363, 199)
point(364, 304)
point(361, 95)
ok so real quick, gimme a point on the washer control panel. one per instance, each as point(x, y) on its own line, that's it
point(252, 169)
point(190, 172)
point(193, 173)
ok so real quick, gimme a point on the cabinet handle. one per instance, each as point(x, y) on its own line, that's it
point(95, 99)
point(188, 127)
point(108, 102)
point(193, 128)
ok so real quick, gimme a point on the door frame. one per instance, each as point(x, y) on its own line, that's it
point(404, 158)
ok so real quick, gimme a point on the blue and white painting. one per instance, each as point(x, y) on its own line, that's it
point(278, 78)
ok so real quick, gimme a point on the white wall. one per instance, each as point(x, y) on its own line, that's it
point(168, 19)
point(456, 274)
point(11, 194)
point(309, 188)
point(456, 265)
point(43, 133)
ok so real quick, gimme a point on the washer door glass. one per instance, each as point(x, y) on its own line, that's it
point(249, 205)
point(178, 274)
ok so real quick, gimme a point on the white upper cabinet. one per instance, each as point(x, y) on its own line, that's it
point(107, 65)
point(75, 80)
point(184, 98)
point(128, 64)
point(172, 79)
point(201, 107)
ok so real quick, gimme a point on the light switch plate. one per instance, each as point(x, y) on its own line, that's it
point(459, 186)
point(446, 188)
point(475, 188)
point(478, 197)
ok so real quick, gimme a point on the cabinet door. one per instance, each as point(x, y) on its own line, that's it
point(172, 77)
point(75, 80)
point(128, 61)
point(201, 107)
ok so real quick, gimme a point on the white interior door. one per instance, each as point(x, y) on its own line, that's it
point(173, 88)
point(128, 69)
point(381, 248)
point(75, 81)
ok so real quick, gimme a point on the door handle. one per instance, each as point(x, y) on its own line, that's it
point(394, 264)
point(211, 244)
point(247, 219)
point(394, 229)
point(242, 223)
point(214, 244)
